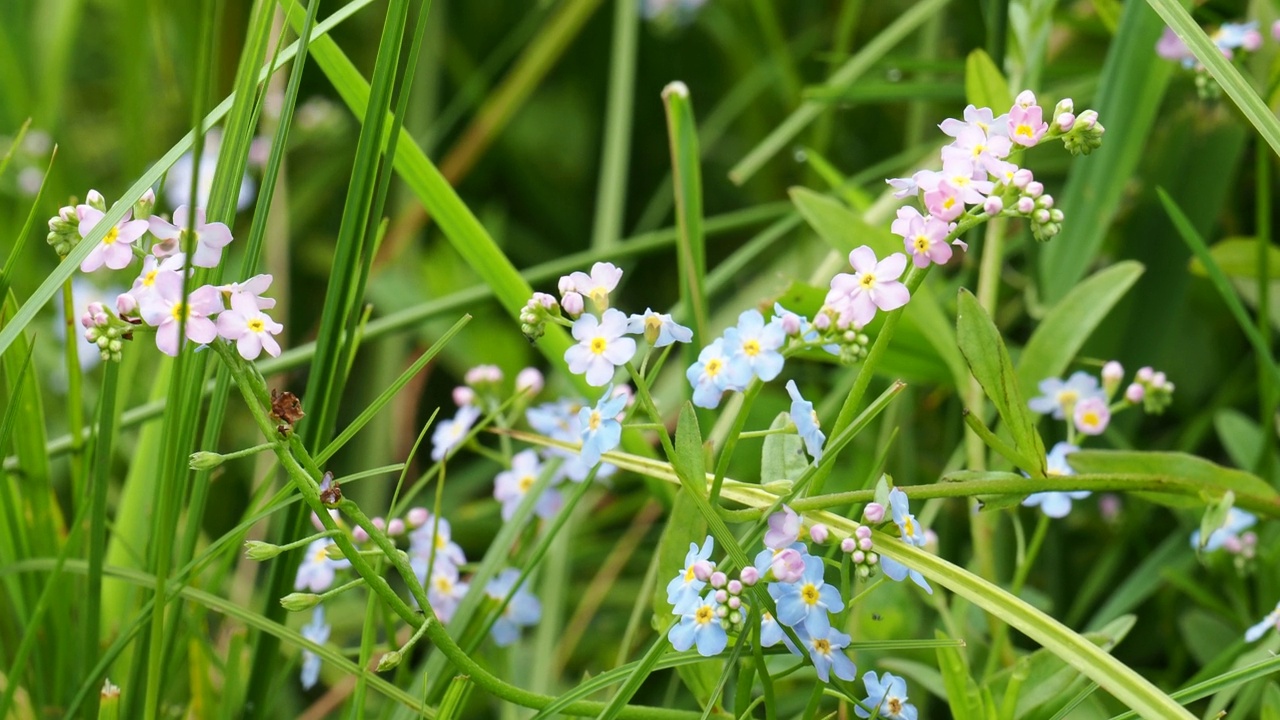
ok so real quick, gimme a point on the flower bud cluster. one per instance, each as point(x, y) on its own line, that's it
point(104, 329)
point(535, 313)
point(1152, 389)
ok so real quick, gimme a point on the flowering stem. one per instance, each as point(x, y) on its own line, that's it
point(915, 276)
point(731, 441)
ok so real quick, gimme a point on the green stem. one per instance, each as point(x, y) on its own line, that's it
point(1266, 396)
point(735, 434)
point(75, 399)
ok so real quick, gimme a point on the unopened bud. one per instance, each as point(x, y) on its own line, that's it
point(389, 661)
point(333, 552)
point(530, 380)
point(734, 587)
point(1025, 205)
point(298, 602)
point(818, 533)
point(873, 513)
point(1021, 177)
point(1065, 121)
point(1025, 99)
point(749, 576)
point(993, 205)
point(566, 285)
point(463, 396)
point(791, 324)
point(126, 304)
point(95, 200)
point(718, 579)
point(417, 517)
point(572, 304)
point(142, 209)
point(848, 545)
point(203, 460)
point(722, 596)
point(395, 527)
point(258, 551)
point(703, 570)
point(1035, 188)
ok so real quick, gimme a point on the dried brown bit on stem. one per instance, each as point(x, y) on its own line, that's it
point(286, 409)
point(330, 490)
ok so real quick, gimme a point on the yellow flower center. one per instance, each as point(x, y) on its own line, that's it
point(180, 311)
point(704, 615)
point(652, 323)
point(1090, 417)
point(960, 180)
point(983, 126)
point(1067, 398)
point(822, 645)
point(150, 278)
point(713, 367)
point(444, 584)
point(948, 203)
point(979, 149)
point(688, 574)
point(256, 325)
point(598, 345)
point(751, 347)
point(809, 593)
point(1024, 130)
point(921, 244)
point(112, 235)
point(525, 483)
point(320, 555)
point(909, 527)
point(441, 542)
point(593, 422)
point(894, 705)
point(867, 281)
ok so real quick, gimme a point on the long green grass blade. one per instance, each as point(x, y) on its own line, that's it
point(687, 175)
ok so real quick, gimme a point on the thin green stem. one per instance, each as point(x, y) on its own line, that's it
point(75, 393)
point(1267, 386)
point(735, 434)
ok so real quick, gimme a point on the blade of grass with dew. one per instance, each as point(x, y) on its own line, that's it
point(1220, 281)
point(846, 75)
point(611, 192)
point(51, 284)
point(686, 167)
point(1129, 93)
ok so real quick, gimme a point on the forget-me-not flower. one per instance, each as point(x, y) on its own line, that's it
point(450, 433)
point(699, 626)
point(317, 631)
point(1054, 503)
point(887, 696)
point(1060, 397)
point(1271, 620)
point(436, 533)
point(512, 485)
point(685, 584)
point(658, 328)
point(714, 374)
point(771, 633)
point(826, 650)
point(317, 571)
point(523, 610)
point(807, 601)
point(602, 346)
point(1237, 522)
point(912, 534)
point(806, 420)
point(601, 430)
point(754, 346)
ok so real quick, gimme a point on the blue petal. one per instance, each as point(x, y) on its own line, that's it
point(817, 622)
point(682, 634)
point(711, 640)
point(791, 609)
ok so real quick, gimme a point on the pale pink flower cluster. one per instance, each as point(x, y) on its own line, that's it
point(234, 311)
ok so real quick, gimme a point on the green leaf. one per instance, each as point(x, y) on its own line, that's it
point(1238, 258)
point(1213, 477)
point(783, 456)
point(1062, 333)
point(984, 84)
point(840, 227)
point(689, 460)
point(962, 691)
point(988, 360)
point(1048, 678)
point(686, 174)
point(1215, 516)
point(1271, 702)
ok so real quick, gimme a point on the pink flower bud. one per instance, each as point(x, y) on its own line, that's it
point(734, 603)
point(1232, 545)
point(735, 587)
point(1065, 105)
point(359, 535)
point(126, 304)
point(722, 597)
point(1112, 372)
point(566, 285)
point(395, 527)
point(1109, 506)
point(702, 570)
point(1251, 41)
point(872, 513)
point(787, 566)
point(1025, 205)
point(572, 304)
point(791, 324)
point(547, 302)
point(94, 198)
point(530, 380)
point(848, 545)
point(1066, 121)
point(993, 205)
point(1025, 99)
point(417, 516)
point(463, 396)
point(86, 321)
point(482, 374)
point(865, 544)
point(784, 529)
point(749, 576)
point(1158, 379)
point(1275, 30)
point(818, 533)
point(858, 557)
point(1145, 374)
point(862, 532)
point(1134, 393)
point(872, 558)
point(718, 580)
point(380, 524)
point(148, 197)
point(1035, 188)
point(1087, 119)
point(625, 391)
point(823, 322)
point(1021, 177)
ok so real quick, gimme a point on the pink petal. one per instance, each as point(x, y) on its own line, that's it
point(118, 255)
point(250, 346)
point(167, 337)
point(584, 328)
point(162, 228)
point(891, 296)
point(863, 259)
point(131, 231)
point(232, 325)
point(201, 330)
point(269, 343)
point(206, 256)
point(861, 309)
point(891, 267)
point(182, 217)
point(93, 260)
point(215, 234)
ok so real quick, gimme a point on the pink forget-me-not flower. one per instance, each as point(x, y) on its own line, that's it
point(873, 284)
point(115, 250)
point(210, 238)
point(165, 310)
point(602, 346)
